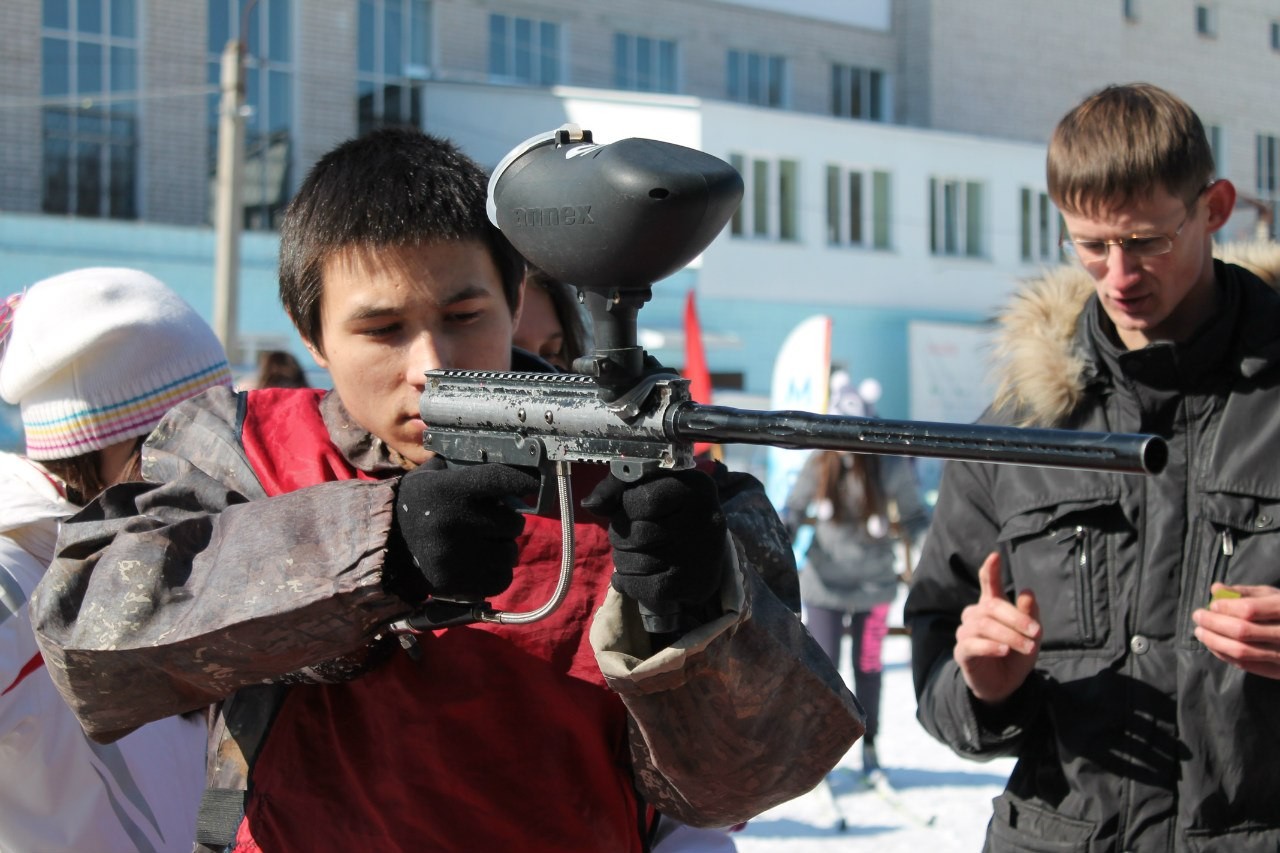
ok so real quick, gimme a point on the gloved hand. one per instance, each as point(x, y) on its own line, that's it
point(668, 537)
point(457, 529)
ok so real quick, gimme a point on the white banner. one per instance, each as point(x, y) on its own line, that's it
point(948, 371)
point(800, 378)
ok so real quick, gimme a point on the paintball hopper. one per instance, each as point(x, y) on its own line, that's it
point(610, 217)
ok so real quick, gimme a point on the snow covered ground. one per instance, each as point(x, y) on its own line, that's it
point(932, 783)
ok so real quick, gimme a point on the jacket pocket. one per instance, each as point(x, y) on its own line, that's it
point(1063, 554)
point(1239, 543)
point(1020, 826)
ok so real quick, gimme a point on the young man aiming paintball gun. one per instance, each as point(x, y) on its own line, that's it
point(282, 531)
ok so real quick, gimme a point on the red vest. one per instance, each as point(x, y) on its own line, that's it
point(501, 737)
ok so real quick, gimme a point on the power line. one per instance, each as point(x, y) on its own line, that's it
point(89, 101)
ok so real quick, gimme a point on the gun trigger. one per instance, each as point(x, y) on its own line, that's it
point(548, 495)
point(534, 452)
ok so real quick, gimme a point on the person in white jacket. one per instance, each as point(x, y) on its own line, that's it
point(94, 358)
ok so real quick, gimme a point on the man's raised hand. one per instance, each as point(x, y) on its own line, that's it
point(998, 641)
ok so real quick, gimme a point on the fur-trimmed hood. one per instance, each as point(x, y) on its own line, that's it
point(1039, 373)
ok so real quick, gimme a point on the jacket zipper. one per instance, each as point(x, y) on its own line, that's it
point(1084, 582)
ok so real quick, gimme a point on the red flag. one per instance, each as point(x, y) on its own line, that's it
point(695, 358)
point(695, 367)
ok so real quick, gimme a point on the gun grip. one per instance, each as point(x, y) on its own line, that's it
point(522, 453)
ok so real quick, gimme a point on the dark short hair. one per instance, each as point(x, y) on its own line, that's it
point(1121, 144)
point(392, 187)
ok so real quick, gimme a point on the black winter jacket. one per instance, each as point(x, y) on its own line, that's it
point(1129, 734)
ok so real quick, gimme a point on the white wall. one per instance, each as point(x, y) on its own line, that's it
point(810, 271)
point(488, 121)
point(753, 290)
point(872, 14)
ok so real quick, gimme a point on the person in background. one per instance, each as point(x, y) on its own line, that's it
point(91, 383)
point(279, 369)
point(551, 325)
point(863, 507)
point(1120, 634)
point(282, 534)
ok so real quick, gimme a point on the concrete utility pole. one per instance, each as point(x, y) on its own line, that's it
point(228, 218)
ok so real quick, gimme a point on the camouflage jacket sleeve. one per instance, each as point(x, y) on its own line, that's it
point(166, 598)
point(742, 713)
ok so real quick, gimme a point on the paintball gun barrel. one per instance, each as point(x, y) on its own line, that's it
point(611, 220)
point(535, 419)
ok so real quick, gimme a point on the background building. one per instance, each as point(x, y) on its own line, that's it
point(892, 150)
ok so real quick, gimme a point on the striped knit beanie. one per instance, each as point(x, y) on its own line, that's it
point(97, 356)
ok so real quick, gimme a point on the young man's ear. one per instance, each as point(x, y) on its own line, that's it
point(1220, 198)
point(316, 353)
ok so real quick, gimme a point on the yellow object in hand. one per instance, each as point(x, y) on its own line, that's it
point(1224, 593)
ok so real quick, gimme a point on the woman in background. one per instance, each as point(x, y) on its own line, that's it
point(862, 507)
point(278, 368)
point(551, 325)
point(94, 358)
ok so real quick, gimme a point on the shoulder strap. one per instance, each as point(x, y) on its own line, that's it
point(236, 735)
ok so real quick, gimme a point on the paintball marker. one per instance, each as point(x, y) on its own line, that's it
point(613, 219)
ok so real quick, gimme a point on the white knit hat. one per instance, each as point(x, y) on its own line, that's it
point(97, 356)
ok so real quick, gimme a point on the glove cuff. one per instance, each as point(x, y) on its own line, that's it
point(400, 576)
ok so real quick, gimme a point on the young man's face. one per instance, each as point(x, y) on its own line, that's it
point(1163, 297)
point(388, 315)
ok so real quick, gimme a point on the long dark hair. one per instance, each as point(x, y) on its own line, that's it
point(564, 301)
point(83, 473)
point(279, 369)
point(851, 483)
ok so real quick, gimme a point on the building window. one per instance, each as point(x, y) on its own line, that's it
point(858, 92)
point(644, 64)
point(1206, 20)
point(1039, 226)
point(955, 216)
point(1216, 147)
point(1268, 164)
point(522, 50)
point(857, 207)
point(759, 195)
point(757, 78)
point(788, 227)
point(1275, 35)
point(392, 61)
point(770, 206)
point(1130, 9)
point(1268, 185)
point(89, 82)
point(268, 77)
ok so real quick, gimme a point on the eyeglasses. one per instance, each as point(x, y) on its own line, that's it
point(1090, 253)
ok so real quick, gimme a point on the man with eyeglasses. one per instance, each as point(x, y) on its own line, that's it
point(1120, 635)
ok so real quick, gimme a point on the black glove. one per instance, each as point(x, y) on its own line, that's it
point(668, 537)
point(457, 529)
